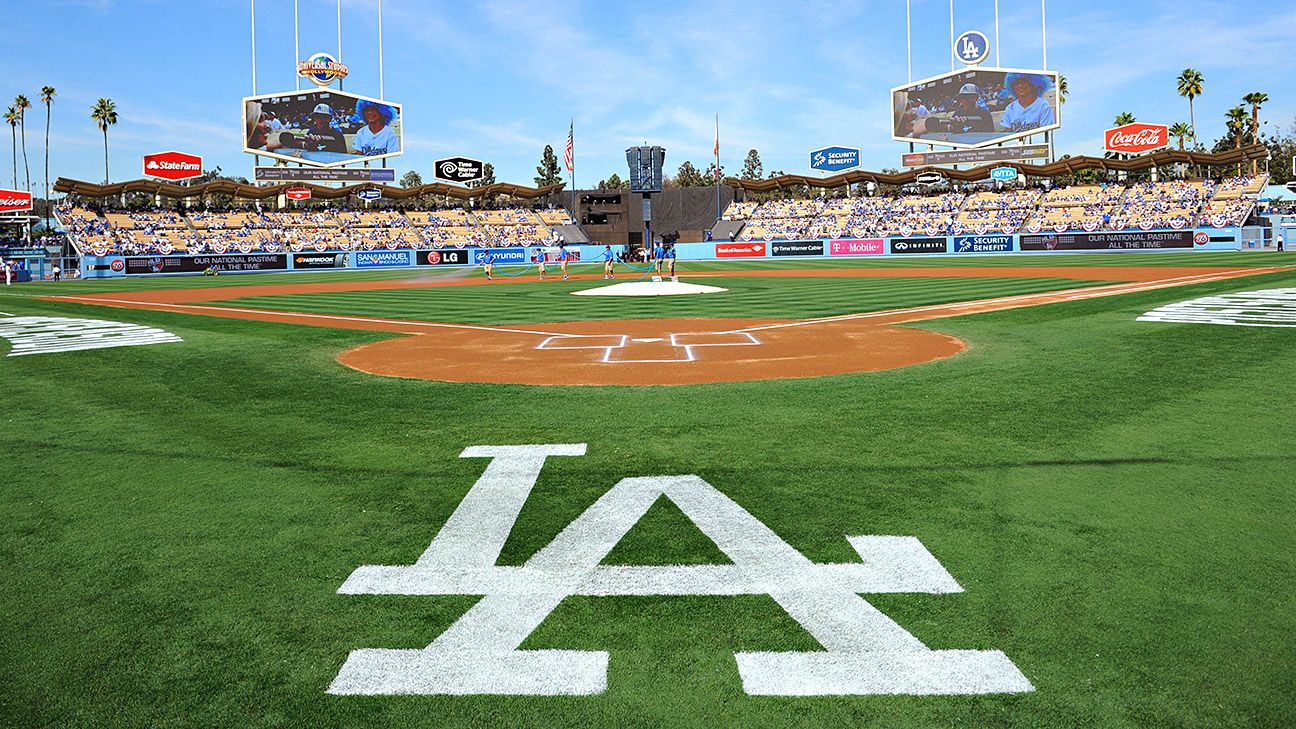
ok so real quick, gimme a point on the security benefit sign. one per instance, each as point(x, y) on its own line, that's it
point(797, 248)
point(901, 246)
point(451, 257)
point(983, 243)
point(864, 651)
point(1119, 240)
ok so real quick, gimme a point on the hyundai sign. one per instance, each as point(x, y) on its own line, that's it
point(369, 193)
point(1003, 174)
point(834, 159)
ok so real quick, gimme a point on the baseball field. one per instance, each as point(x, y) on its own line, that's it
point(971, 491)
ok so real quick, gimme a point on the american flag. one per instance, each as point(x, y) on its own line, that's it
point(567, 156)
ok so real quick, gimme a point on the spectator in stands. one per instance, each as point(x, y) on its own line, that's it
point(1028, 110)
point(967, 116)
point(376, 136)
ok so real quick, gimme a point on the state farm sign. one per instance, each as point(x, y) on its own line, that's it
point(1137, 138)
point(173, 166)
point(297, 193)
point(14, 200)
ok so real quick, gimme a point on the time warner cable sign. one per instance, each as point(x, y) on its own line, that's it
point(834, 159)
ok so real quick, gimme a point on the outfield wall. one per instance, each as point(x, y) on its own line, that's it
point(1206, 239)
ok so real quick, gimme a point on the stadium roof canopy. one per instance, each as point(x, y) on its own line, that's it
point(229, 187)
point(1067, 166)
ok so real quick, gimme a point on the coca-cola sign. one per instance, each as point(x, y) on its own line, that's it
point(14, 200)
point(1137, 138)
point(173, 166)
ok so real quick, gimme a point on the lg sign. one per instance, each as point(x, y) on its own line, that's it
point(173, 166)
point(1137, 138)
point(14, 200)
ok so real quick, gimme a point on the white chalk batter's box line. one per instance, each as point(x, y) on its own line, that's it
point(621, 341)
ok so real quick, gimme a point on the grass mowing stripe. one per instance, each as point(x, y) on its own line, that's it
point(747, 297)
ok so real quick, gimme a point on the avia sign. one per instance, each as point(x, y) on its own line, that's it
point(173, 166)
point(1137, 138)
point(12, 201)
point(1004, 174)
point(298, 193)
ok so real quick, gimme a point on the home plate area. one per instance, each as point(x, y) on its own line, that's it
point(651, 351)
point(674, 348)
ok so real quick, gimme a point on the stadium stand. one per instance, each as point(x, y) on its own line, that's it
point(1111, 206)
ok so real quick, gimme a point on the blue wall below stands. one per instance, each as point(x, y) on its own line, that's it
point(1202, 239)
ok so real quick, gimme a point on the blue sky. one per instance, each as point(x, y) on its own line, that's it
point(499, 80)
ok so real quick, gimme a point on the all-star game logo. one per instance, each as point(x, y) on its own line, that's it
point(322, 69)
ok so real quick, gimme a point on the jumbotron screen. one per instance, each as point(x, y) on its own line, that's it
point(976, 107)
point(322, 128)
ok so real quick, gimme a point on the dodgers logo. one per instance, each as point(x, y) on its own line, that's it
point(866, 652)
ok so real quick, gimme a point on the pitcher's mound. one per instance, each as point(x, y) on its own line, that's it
point(650, 288)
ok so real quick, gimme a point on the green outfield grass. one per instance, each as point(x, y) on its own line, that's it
point(752, 297)
point(1113, 496)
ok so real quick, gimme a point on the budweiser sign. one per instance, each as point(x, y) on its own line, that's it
point(1137, 138)
point(173, 166)
point(12, 201)
point(297, 193)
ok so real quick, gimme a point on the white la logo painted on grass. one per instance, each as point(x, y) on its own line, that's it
point(50, 334)
point(867, 652)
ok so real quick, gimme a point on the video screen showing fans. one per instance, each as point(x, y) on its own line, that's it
point(976, 107)
point(321, 128)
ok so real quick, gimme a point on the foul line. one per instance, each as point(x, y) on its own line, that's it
point(128, 303)
point(952, 308)
point(1087, 292)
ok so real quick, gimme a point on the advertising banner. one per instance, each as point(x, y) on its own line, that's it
point(321, 128)
point(551, 255)
point(383, 259)
point(319, 260)
point(450, 257)
point(976, 107)
point(1120, 240)
point(1011, 153)
point(856, 247)
point(797, 248)
point(983, 244)
point(298, 193)
point(312, 174)
point(919, 245)
point(834, 159)
point(136, 265)
point(503, 256)
point(752, 249)
point(173, 166)
point(12, 201)
point(459, 169)
point(1136, 138)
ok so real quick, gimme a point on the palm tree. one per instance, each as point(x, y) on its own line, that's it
point(1180, 130)
point(1190, 85)
point(11, 118)
point(1255, 99)
point(1124, 118)
point(47, 98)
point(105, 115)
point(22, 105)
point(1237, 122)
point(1062, 90)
